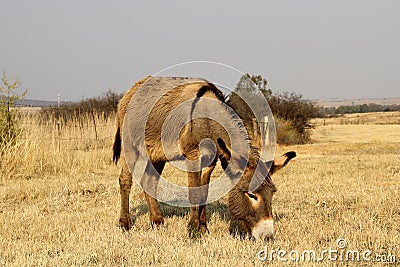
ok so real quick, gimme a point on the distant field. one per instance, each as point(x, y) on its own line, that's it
point(362, 118)
point(350, 102)
point(59, 206)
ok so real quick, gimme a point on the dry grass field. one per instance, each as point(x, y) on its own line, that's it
point(59, 203)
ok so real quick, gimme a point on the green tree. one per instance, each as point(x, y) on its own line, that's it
point(290, 108)
point(8, 99)
point(250, 83)
point(251, 88)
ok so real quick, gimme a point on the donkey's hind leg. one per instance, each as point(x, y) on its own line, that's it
point(125, 184)
point(149, 184)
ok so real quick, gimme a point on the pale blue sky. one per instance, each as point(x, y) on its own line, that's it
point(322, 49)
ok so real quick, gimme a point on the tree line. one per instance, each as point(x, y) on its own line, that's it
point(363, 108)
point(105, 106)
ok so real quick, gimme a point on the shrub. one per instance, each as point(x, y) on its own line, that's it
point(9, 129)
point(285, 133)
point(291, 107)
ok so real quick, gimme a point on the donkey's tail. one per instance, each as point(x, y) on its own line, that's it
point(117, 146)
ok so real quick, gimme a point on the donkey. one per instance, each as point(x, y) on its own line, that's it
point(251, 209)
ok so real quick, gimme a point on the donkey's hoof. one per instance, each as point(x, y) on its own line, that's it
point(197, 230)
point(157, 221)
point(203, 228)
point(125, 223)
point(194, 232)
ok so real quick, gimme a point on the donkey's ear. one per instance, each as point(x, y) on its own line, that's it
point(226, 154)
point(281, 161)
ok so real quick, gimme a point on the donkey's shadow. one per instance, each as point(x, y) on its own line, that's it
point(217, 207)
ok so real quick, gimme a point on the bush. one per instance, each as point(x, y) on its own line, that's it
point(285, 133)
point(9, 129)
point(291, 108)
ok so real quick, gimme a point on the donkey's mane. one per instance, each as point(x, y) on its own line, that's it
point(212, 88)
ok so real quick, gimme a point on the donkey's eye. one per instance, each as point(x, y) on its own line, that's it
point(252, 196)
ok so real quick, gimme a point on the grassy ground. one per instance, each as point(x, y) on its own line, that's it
point(60, 205)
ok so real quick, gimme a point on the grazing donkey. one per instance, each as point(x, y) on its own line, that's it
point(251, 209)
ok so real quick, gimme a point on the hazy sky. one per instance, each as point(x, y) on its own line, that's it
point(322, 49)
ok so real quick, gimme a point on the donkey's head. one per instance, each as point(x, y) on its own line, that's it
point(253, 208)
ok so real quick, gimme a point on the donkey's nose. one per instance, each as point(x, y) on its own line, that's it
point(264, 229)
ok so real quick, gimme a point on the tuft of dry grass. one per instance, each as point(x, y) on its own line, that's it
point(48, 147)
point(59, 206)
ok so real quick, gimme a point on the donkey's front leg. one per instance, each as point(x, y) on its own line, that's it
point(195, 199)
point(205, 181)
point(149, 184)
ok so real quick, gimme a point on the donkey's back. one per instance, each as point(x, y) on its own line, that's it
point(167, 97)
